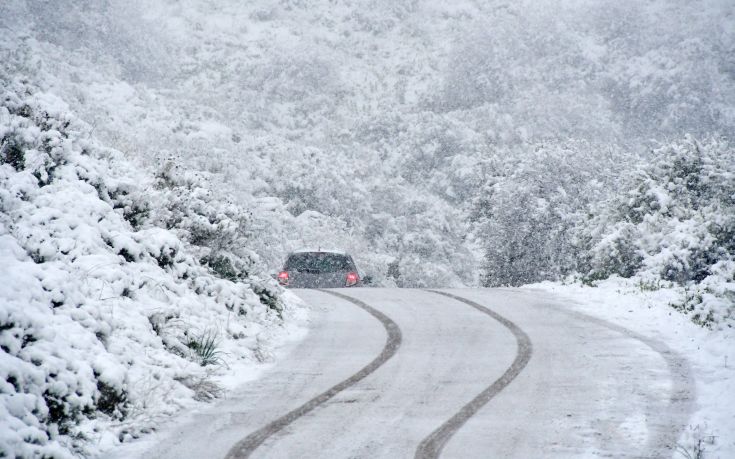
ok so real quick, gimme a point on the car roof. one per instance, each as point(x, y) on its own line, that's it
point(320, 250)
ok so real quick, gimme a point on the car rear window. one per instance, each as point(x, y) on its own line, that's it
point(319, 262)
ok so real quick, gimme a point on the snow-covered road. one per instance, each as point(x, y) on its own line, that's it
point(493, 373)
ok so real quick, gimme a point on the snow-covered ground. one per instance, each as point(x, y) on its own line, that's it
point(711, 353)
point(605, 384)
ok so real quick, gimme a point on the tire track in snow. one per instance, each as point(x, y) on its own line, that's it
point(431, 446)
point(245, 447)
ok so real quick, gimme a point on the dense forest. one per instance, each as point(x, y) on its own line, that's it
point(466, 143)
point(478, 143)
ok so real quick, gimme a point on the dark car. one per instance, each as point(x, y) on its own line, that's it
point(319, 269)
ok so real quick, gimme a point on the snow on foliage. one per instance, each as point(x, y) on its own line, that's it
point(108, 320)
point(429, 139)
point(670, 222)
point(528, 214)
point(675, 223)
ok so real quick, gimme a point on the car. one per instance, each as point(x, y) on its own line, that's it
point(309, 268)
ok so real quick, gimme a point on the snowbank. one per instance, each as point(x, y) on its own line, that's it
point(107, 322)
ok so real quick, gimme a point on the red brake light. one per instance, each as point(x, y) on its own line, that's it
point(283, 278)
point(352, 279)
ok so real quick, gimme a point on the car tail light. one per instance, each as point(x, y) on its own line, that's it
point(283, 278)
point(352, 279)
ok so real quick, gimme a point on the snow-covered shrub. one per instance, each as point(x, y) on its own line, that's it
point(676, 223)
point(616, 252)
point(97, 305)
point(216, 232)
point(677, 219)
point(526, 217)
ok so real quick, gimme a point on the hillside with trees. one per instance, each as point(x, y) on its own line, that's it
point(193, 144)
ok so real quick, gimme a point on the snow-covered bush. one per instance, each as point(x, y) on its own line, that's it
point(98, 306)
point(187, 207)
point(675, 223)
point(615, 252)
point(527, 217)
point(218, 233)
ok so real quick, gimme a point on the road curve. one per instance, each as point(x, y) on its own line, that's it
point(591, 388)
point(431, 446)
point(663, 437)
point(247, 445)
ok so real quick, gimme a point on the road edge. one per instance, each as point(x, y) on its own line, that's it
point(683, 391)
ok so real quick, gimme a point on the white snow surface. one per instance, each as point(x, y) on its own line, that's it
point(587, 391)
point(711, 353)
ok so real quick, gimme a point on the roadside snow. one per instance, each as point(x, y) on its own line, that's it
point(109, 324)
point(710, 352)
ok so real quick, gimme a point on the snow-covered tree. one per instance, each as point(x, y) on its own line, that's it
point(676, 221)
point(527, 216)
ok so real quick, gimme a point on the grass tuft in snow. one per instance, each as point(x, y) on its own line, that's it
point(205, 346)
point(698, 439)
point(204, 388)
